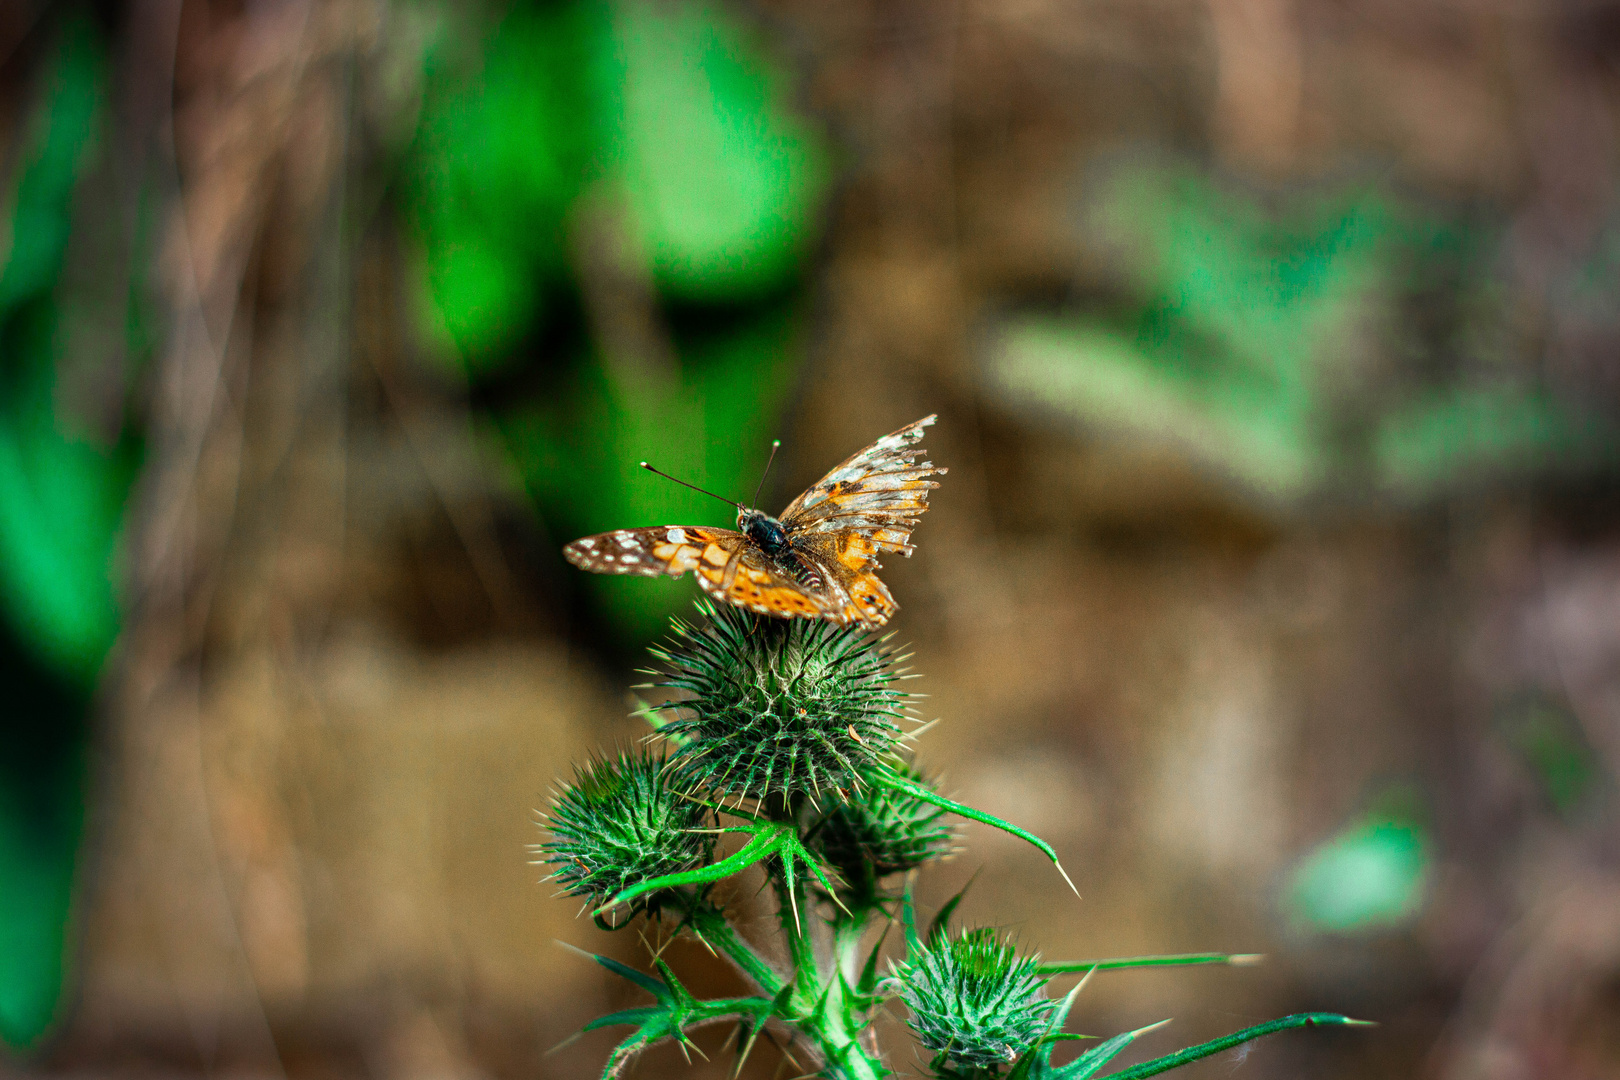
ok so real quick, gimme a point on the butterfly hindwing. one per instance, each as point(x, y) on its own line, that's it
point(873, 499)
point(663, 549)
point(752, 582)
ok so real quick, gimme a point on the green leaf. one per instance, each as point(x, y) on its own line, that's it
point(891, 779)
point(1037, 1061)
point(941, 923)
point(62, 491)
point(1238, 1038)
point(724, 181)
point(867, 982)
point(769, 838)
point(675, 1011)
point(632, 1017)
point(1088, 1063)
point(1060, 967)
point(646, 982)
point(908, 921)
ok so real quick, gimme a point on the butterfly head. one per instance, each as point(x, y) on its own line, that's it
point(763, 530)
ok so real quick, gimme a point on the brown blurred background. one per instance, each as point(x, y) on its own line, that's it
point(1276, 580)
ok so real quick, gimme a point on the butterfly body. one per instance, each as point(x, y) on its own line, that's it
point(765, 531)
point(817, 561)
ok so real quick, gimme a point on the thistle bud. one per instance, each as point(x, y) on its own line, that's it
point(974, 1000)
point(775, 709)
point(879, 831)
point(620, 823)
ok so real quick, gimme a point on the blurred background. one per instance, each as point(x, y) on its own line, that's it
point(1276, 581)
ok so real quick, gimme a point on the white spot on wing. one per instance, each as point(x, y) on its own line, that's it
point(676, 536)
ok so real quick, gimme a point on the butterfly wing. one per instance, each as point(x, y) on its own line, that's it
point(664, 549)
point(871, 502)
point(758, 585)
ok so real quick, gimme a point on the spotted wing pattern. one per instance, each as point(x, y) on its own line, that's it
point(665, 549)
point(836, 529)
point(871, 502)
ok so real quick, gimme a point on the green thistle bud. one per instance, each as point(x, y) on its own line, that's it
point(619, 824)
point(879, 831)
point(974, 1001)
point(777, 708)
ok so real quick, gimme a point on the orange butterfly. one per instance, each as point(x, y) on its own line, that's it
point(816, 561)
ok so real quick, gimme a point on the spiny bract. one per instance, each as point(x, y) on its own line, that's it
point(619, 824)
point(974, 1000)
point(777, 707)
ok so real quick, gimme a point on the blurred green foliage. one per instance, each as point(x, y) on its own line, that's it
point(667, 122)
point(1373, 875)
point(1341, 342)
point(63, 487)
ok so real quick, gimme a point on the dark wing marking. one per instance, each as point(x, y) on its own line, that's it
point(664, 549)
point(876, 497)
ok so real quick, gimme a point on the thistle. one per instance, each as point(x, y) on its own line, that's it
point(784, 737)
point(974, 1000)
point(775, 710)
point(620, 824)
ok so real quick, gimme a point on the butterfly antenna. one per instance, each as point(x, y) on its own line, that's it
point(775, 445)
point(694, 487)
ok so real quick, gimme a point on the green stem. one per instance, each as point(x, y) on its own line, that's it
point(825, 1014)
point(710, 922)
point(796, 929)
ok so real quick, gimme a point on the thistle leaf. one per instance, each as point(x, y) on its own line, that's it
point(942, 918)
point(867, 983)
point(1087, 1064)
point(1062, 967)
point(889, 778)
point(1237, 1038)
point(768, 839)
point(675, 1011)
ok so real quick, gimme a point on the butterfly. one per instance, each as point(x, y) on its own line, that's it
point(816, 561)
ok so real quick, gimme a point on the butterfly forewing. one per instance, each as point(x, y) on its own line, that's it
point(875, 497)
point(665, 549)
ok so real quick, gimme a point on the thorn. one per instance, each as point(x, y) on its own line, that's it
point(565, 1043)
point(1070, 883)
point(574, 949)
